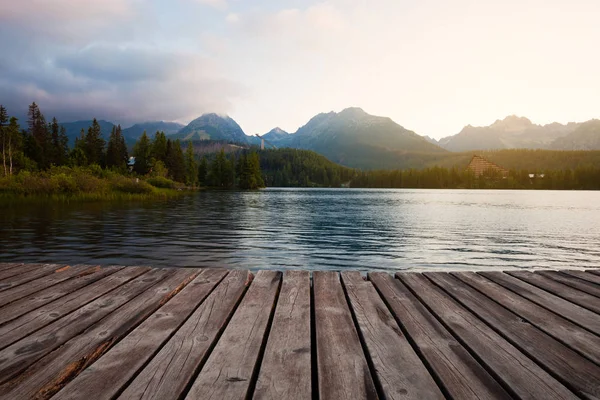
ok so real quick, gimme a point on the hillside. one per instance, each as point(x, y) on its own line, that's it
point(212, 127)
point(73, 129)
point(135, 131)
point(510, 133)
point(357, 139)
point(585, 137)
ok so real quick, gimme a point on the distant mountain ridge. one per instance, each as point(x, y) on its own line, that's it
point(355, 138)
point(512, 132)
point(212, 127)
point(151, 128)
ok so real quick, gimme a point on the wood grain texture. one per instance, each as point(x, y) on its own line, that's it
point(105, 378)
point(573, 281)
point(44, 282)
point(579, 315)
point(570, 368)
point(16, 269)
point(37, 271)
point(400, 372)
point(286, 367)
point(30, 322)
point(459, 373)
point(583, 275)
point(6, 266)
point(559, 289)
point(170, 371)
point(523, 376)
point(48, 375)
point(38, 299)
point(21, 354)
point(230, 368)
point(342, 367)
point(585, 342)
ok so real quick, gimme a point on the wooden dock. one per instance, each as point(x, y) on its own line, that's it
point(85, 332)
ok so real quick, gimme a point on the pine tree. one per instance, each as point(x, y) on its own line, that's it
point(159, 147)
point(202, 171)
point(175, 162)
point(14, 141)
point(38, 137)
point(59, 145)
point(116, 151)
point(3, 135)
point(191, 168)
point(141, 152)
point(94, 144)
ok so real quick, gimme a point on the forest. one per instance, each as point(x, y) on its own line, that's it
point(38, 161)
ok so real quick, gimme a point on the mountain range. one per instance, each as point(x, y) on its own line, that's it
point(357, 139)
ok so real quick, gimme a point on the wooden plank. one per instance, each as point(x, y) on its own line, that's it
point(573, 282)
point(586, 276)
point(400, 373)
point(286, 368)
point(17, 269)
point(45, 282)
point(343, 372)
point(37, 271)
point(519, 374)
point(38, 299)
point(32, 321)
point(231, 367)
point(558, 305)
point(566, 292)
point(581, 340)
point(21, 354)
point(169, 372)
point(44, 378)
point(461, 376)
point(7, 266)
point(574, 371)
point(105, 378)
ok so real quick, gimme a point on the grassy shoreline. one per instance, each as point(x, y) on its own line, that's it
point(86, 184)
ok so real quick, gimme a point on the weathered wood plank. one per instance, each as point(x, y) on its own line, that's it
point(38, 271)
point(458, 372)
point(581, 340)
point(17, 269)
point(6, 266)
point(519, 373)
point(44, 282)
point(169, 372)
point(44, 378)
point(574, 371)
point(566, 292)
point(579, 315)
point(343, 372)
point(400, 372)
point(573, 282)
point(105, 378)
point(231, 366)
point(21, 354)
point(30, 322)
point(286, 367)
point(584, 275)
point(38, 299)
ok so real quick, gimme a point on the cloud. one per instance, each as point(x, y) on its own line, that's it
point(91, 61)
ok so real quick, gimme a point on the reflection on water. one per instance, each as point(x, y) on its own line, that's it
point(315, 229)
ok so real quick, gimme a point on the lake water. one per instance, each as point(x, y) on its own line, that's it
point(315, 229)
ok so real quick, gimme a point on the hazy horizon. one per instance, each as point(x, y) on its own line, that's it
point(431, 67)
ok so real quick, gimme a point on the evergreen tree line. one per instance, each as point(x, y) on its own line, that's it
point(302, 168)
point(43, 145)
point(581, 178)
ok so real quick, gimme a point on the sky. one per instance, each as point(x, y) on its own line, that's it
point(433, 66)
